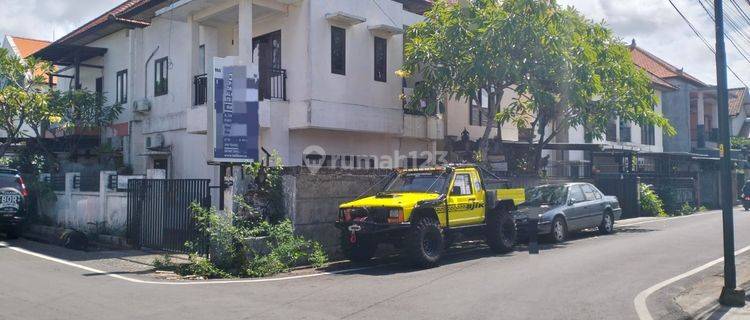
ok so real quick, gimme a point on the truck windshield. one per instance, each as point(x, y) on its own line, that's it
point(545, 195)
point(433, 182)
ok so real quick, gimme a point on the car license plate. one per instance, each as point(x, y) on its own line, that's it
point(9, 201)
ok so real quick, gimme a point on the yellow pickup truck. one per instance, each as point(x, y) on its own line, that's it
point(420, 210)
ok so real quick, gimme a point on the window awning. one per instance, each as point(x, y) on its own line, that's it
point(65, 55)
point(385, 30)
point(344, 19)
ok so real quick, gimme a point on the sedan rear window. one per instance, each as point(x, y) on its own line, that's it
point(8, 181)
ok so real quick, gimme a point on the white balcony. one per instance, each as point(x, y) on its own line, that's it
point(345, 117)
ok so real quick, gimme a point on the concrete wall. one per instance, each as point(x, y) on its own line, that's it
point(312, 201)
point(676, 108)
point(85, 210)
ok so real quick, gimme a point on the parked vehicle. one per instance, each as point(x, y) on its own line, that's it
point(746, 195)
point(420, 210)
point(561, 208)
point(13, 195)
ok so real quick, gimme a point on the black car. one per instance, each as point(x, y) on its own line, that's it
point(13, 195)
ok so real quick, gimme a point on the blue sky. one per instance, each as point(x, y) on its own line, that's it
point(653, 23)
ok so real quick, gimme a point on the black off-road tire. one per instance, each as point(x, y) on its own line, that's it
point(361, 251)
point(558, 236)
point(425, 243)
point(13, 232)
point(607, 226)
point(500, 231)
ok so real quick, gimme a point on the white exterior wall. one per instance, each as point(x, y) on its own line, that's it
point(348, 114)
point(576, 135)
point(457, 115)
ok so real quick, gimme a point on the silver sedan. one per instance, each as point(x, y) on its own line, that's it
point(561, 208)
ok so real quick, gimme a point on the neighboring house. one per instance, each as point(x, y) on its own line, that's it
point(327, 78)
point(739, 112)
point(22, 48)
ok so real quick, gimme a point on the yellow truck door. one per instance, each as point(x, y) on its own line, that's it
point(465, 206)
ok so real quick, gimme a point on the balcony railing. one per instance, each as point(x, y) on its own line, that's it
point(200, 89)
point(272, 84)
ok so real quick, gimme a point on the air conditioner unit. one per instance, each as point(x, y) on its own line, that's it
point(143, 105)
point(155, 141)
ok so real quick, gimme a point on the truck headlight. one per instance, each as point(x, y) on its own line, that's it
point(346, 214)
point(395, 215)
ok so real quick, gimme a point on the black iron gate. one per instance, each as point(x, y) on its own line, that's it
point(159, 215)
point(625, 187)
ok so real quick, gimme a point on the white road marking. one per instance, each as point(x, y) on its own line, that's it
point(667, 219)
point(209, 282)
point(178, 283)
point(640, 300)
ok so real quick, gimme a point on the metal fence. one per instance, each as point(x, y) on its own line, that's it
point(272, 84)
point(200, 89)
point(159, 215)
point(58, 182)
point(87, 181)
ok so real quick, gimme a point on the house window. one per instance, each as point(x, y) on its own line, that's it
point(161, 76)
point(99, 90)
point(648, 134)
point(611, 131)
point(338, 50)
point(381, 54)
point(624, 131)
point(202, 59)
point(121, 87)
point(479, 109)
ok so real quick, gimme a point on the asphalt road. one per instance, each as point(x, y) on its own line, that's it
point(589, 277)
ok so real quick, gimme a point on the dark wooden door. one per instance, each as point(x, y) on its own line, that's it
point(269, 59)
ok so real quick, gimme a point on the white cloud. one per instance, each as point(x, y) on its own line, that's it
point(39, 19)
point(658, 28)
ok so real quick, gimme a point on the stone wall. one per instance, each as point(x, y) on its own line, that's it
point(312, 200)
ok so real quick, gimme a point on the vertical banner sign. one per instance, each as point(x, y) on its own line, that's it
point(234, 126)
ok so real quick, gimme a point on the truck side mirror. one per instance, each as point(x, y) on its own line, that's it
point(456, 190)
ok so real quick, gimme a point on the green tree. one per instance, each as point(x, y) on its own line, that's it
point(23, 95)
point(566, 71)
point(70, 114)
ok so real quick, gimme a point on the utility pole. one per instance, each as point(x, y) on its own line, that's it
point(730, 295)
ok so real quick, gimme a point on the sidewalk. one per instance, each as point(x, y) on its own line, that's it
point(701, 300)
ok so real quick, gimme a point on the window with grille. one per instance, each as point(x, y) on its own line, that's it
point(479, 109)
point(121, 87)
point(161, 76)
point(338, 50)
point(381, 54)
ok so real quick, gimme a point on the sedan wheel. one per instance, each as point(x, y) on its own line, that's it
point(608, 224)
point(559, 230)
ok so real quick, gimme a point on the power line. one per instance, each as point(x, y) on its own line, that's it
point(741, 51)
point(703, 39)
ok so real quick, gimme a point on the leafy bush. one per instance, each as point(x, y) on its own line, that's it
point(231, 257)
point(164, 263)
point(651, 204)
point(686, 210)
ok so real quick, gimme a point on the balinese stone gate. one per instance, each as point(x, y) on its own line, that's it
point(312, 199)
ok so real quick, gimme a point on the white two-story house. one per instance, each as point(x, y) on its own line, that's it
point(327, 79)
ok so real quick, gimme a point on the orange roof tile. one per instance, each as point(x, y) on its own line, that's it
point(736, 100)
point(27, 47)
point(659, 67)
